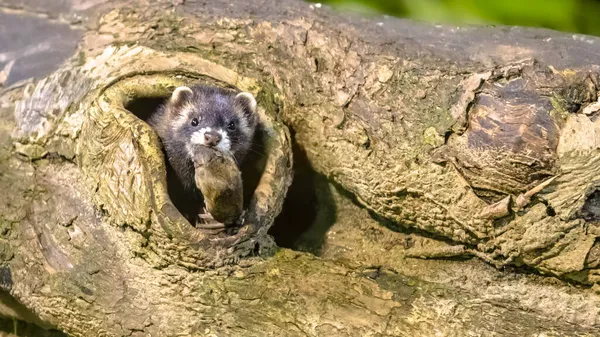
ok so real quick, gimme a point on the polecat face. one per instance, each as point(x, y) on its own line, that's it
point(213, 117)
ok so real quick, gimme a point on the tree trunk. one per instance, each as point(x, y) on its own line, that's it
point(480, 141)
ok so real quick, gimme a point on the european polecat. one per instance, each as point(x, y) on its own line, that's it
point(211, 116)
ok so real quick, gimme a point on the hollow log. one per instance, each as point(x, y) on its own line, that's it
point(476, 141)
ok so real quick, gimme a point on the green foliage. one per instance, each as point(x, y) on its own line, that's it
point(578, 16)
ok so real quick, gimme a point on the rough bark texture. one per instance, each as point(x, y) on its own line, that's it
point(483, 138)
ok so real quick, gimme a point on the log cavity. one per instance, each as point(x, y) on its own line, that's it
point(143, 107)
point(308, 211)
point(121, 157)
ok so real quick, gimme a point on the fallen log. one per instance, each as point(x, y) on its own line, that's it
point(481, 137)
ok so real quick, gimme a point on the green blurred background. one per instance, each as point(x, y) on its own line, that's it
point(576, 16)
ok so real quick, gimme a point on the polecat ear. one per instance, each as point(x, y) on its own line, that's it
point(180, 94)
point(247, 102)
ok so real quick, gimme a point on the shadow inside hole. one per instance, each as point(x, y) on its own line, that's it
point(309, 209)
point(28, 324)
point(254, 164)
point(10, 327)
point(192, 204)
point(591, 208)
point(144, 107)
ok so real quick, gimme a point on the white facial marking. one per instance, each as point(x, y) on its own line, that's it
point(225, 143)
point(184, 116)
point(198, 136)
point(243, 125)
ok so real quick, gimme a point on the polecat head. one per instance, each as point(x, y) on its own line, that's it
point(214, 117)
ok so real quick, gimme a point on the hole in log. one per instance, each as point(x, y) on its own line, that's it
point(591, 208)
point(120, 120)
point(252, 167)
point(309, 209)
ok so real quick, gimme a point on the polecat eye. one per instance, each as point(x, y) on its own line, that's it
point(231, 126)
point(195, 122)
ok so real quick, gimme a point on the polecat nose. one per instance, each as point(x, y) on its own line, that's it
point(212, 138)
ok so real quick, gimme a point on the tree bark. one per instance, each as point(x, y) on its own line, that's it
point(481, 138)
